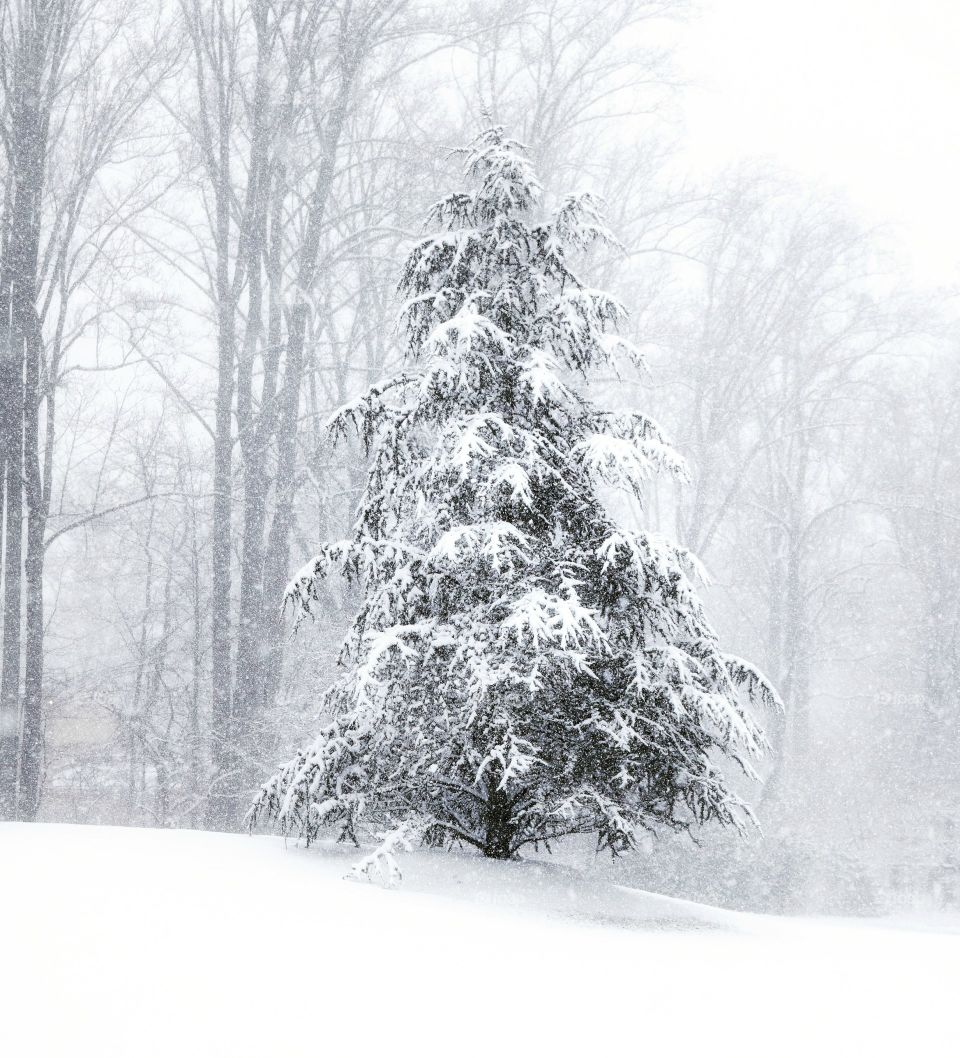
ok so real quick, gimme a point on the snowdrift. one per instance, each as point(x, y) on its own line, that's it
point(179, 944)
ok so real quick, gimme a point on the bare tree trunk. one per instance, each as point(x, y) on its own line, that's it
point(195, 761)
point(136, 717)
point(278, 548)
point(11, 449)
point(32, 733)
point(16, 236)
point(221, 727)
point(221, 674)
point(214, 56)
point(255, 430)
point(12, 574)
point(159, 750)
point(40, 35)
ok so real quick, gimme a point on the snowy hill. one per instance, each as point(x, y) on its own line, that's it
point(158, 944)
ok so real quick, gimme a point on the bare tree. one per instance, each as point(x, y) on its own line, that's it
point(274, 86)
point(63, 125)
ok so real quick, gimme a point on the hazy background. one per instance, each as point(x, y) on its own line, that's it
point(857, 95)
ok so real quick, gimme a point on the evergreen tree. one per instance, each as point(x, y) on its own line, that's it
point(522, 666)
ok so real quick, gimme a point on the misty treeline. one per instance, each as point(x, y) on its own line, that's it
point(205, 204)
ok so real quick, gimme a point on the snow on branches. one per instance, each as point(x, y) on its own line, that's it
point(521, 667)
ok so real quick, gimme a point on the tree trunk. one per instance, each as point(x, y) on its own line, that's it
point(12, 574)
point(255, 431)
point(499, 834)
point(221, 676)
point(32, 735)
point(21, 353)
point(278, 549)
point(194, 757)
point(221, 805)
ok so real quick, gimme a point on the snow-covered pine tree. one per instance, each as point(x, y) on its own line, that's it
point(522, 667)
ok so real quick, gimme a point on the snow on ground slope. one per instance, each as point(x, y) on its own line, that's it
point(166, 944)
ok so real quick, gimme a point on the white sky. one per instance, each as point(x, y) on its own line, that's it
point(863, 95)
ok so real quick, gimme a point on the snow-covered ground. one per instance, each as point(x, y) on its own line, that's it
point(163, 944)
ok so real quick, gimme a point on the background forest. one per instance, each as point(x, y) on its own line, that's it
point(205, 207)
